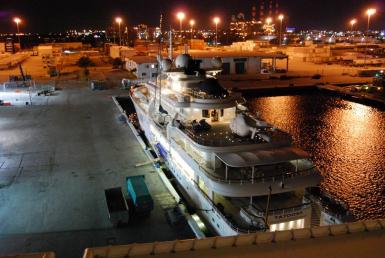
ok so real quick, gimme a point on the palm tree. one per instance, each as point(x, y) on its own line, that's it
point(85, 62)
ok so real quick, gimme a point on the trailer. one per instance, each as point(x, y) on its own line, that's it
point(118, 210)
point(140, 196)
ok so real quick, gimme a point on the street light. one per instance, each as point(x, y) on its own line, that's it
point(280, 18)
point(192, 23)
point(119, 20)
point(268, 21)
point(369, 13)
point(216, 20)
point(352, 23)
point(17, 20)
point(180, 17)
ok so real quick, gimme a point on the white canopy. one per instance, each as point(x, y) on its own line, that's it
point(262, 157)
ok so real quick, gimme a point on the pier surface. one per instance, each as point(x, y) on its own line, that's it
point(56, 159)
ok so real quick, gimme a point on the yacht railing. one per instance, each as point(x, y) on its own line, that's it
point(225, 218)
point(282, 211)
point(201, 95)
point(261, 179)
point(330, 206)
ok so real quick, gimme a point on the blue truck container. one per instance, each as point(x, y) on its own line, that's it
point(139, 194)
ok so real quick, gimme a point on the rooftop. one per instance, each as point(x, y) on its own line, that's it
point(142, 59)
point(233, 53)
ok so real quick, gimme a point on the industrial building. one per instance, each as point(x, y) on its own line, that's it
point(243, 62)
point(144, 67)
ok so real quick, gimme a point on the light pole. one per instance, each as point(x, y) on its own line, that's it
point(17, 20)
point(216, 20)
point(180, 17)
point(119, 20)
point(280, 18)
point(192, 23)
point(369, 13)
point(352, 23)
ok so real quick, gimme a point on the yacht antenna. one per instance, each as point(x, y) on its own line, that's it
point(170, 52)
point(159, 57)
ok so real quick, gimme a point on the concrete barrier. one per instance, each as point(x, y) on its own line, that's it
point(32, 255)
point(217, 243)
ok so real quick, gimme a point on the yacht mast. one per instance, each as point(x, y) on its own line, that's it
point(170, 52)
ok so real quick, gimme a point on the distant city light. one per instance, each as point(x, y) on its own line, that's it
point(192, 23)
point(290, 30)
point(118, 20)
point(281, 17)
point(269, 20)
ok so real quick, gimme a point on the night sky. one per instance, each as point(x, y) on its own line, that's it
point(45, 16)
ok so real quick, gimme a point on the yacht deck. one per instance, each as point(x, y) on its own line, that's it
point(221, 135)
point(261, 173)
point(231, 207)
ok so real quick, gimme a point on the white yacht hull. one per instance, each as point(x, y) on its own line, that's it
point(205, 208)
point(197, 199)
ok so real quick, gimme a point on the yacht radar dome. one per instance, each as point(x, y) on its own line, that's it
point(166, 65)
point(182, 61)
point(216, 62)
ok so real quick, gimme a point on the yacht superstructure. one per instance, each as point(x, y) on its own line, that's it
point(240, 173)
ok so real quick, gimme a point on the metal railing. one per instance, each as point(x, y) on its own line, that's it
point(329, 205)
point(250, 180)
point(282, 211)
point(229, 222)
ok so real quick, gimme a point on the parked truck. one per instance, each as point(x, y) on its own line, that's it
point(117, 206)
point(140, 196)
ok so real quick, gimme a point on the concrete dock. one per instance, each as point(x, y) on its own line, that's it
point(356, 96)
point(56, 159)
point(249, 83)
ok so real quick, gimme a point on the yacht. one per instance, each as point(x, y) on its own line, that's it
point(239, 173)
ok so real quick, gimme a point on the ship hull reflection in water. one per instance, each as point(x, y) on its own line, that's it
point(346, 139)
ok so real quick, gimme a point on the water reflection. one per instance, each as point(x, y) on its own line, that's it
point(346, 139)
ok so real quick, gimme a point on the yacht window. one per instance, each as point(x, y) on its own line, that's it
point(205, 113)
point(214, 116)
point(222, 112)
point(226, 68)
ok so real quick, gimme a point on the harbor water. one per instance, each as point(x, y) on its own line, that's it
point(345, 139)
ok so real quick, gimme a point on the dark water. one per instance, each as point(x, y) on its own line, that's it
point(346, 140)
